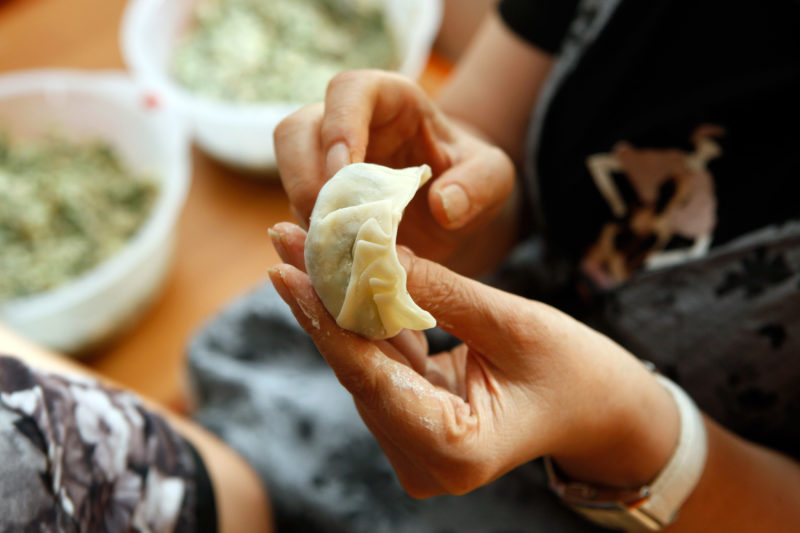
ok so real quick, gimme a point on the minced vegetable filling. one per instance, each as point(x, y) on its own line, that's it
point(64, 208)
point(280, 50)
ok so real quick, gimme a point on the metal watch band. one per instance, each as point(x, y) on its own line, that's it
point(656, 505)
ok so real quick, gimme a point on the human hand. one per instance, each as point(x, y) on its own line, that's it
point(384, 118)
point(528, 381)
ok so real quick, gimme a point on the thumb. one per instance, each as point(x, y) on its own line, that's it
point(486, 319)
point(472, 190)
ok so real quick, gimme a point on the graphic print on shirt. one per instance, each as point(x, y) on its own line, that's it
point(663, 204)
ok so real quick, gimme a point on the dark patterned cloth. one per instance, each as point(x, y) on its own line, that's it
point(724, 322)
point(263, 387)
point(727, 329)
point(78, 457)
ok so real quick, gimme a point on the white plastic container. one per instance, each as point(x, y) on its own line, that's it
point(87, 106)
point(241, 134)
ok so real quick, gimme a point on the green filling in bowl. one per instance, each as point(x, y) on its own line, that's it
point(65, 207)
point(279, 50)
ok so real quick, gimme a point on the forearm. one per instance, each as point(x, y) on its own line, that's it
point(490, 96)
point(496, 84)
point(744, 488)
point(626, 430)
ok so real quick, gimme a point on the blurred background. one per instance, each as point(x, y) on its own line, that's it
point(130, 97)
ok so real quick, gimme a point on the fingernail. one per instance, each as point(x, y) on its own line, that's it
point(277, 242)
point(273, 272)
point(278, 281)
point(338, 156)
point(455, 201)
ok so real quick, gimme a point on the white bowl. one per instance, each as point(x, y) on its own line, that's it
point(90, 309)
point(241, 134)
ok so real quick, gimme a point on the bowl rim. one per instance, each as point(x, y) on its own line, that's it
point(112, 86)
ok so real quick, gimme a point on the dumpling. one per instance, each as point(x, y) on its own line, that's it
point(350, 250)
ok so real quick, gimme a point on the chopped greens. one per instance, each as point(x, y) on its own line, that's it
point(280, 50)
point(64, 208)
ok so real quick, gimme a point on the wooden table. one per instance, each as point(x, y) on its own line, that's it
point(222, 248)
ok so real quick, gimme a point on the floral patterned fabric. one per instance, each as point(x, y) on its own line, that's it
point(78, 457)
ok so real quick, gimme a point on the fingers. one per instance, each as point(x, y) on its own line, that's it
point(344, 132)
point(301, 163)
point(312, 144)
point(289, 241)
point(355, 101)
point(385, 118)
point(448, 370)
point(336, 157)
point(414, 478)
point(414, 347)
point(410, 346)
point(362, 368)
point(474, 189)
point(488, 320)
point(387, 387)
point(351, 357)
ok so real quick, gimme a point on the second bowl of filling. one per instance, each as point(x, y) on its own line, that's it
point(236, 68)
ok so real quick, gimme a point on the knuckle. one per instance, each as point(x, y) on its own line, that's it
point(346, 77)
point(284, 128)
point(347, 87)
point(440, 293)
point(300, 119)
point(504, 169)
point(462, 474)
point(437, 289)
point(354, 76)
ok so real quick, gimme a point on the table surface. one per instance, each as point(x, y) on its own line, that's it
point(222, 248)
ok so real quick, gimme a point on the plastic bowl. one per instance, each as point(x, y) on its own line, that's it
point(241, 134)
point(90, 309)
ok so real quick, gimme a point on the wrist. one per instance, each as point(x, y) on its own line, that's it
point(630, 440)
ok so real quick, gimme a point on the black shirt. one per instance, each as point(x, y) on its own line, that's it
point(663, 76)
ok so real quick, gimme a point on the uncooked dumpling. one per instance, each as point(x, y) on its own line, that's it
point(350, 249)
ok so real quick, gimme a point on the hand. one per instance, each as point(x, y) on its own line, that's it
point(384, 118)
point(528, 381)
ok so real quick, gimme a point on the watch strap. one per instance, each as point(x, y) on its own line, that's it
point(676, 481)
point(653, 506)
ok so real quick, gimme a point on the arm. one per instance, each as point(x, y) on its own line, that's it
point(241, 502)
point(496, 84)
point(745, 487)
point(531, 381)
point(492, 93)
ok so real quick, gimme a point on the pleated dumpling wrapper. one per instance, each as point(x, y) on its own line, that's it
point(350, 250)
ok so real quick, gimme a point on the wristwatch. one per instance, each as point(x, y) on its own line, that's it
point(654, 506)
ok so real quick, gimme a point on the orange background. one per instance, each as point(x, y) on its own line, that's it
point(222, 248)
